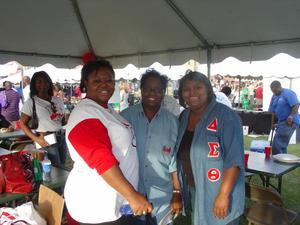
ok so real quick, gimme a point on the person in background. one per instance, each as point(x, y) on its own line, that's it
point(156, 133)
point(259, 95)
point(11, 110)
point(284, 105)
point(102, 145)
point(245, 102)
point(26, 88)
point(210, 154)
point(223, 96)
point(123, 96)
point(171, 104)
point(50, 114)
point(58, 92)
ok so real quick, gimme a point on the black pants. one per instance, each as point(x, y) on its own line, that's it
point(128, 220)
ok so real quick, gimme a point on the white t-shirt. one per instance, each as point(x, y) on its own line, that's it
point(222, 98)
point(171, 105)
point(123, 100)
point(26, 93)
point(44, 111)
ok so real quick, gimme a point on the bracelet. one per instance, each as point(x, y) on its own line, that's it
point(291, 117)
point(176, 191)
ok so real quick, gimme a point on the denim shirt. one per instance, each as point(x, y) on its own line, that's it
point(155, 147)
point(217, 145)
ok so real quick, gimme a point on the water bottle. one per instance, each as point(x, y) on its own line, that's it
point(46, 165)
point(126, 210)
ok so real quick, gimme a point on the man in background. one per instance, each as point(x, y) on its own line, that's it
point(259, 95)
point(223, 96)
point(11, 110)
point(284, 105)
point(26, 87)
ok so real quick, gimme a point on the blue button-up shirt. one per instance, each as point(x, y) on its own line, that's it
point(155, 146)
point(217, 145)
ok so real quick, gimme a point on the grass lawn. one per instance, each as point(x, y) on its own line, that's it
point(290, 186)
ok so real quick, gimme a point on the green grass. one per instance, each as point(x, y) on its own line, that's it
point(290, 186)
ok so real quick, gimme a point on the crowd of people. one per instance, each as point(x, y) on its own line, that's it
point(148, 157)
point(245, 94)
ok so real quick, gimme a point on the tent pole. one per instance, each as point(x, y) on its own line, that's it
point(208, 61)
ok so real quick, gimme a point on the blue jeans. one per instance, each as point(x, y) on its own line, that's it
point(57, 152)
point(282, 137)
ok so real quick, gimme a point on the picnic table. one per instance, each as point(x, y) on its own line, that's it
point(16, 137)
point(268, 168)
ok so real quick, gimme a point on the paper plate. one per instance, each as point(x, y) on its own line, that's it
point(287, 158)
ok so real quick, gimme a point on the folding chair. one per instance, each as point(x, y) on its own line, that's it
point(267, 207)
point(50, 205)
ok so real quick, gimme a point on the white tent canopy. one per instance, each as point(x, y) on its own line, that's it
point(279, 66)
point(142, 32)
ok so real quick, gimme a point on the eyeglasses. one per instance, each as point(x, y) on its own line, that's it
point(154, 90)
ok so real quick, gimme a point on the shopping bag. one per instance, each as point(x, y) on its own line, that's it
point(18, 172)
point(24, 214)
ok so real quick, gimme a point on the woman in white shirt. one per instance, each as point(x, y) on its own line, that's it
point(50, 114)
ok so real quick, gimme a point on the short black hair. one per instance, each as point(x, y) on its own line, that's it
point(199, 77)
point(275, 84)
point(154, 73)
point(33, 90)
point(226, 90)
point(92, 66)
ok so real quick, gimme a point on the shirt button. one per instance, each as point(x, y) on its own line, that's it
point(146, 165)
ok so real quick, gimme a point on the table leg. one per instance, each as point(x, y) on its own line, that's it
point(279, 184)
point(263, 179)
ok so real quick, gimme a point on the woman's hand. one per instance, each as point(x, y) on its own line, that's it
point(139, 204)
point(41, 141)
point(176, 203)
point(221, 205)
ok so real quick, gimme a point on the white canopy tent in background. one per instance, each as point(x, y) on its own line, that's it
point(141, 32)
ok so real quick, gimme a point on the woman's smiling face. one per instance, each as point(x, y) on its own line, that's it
point(100, 85)
point(194, 94)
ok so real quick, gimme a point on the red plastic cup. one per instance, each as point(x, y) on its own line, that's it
point(246, 159)
point(18, 125)
point(268, 150)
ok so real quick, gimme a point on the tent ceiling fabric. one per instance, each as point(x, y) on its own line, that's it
point(141, 32)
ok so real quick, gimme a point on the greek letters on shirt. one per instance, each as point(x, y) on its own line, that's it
point(213, 174)
point(213, 126)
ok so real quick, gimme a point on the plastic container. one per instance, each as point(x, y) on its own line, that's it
point(126, 210)
point(46, 165)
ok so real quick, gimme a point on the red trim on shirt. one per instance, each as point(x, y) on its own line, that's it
point(91, 141)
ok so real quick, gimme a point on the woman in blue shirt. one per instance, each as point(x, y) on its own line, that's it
point(210, 154)
point(156, 134)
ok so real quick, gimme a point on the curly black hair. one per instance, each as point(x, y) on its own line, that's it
point(154, 73)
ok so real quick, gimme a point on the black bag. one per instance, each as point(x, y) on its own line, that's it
point(34, 122)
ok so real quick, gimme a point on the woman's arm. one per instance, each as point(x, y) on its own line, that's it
point(222, 201)
point(115, 178)
point(24, 125)
point(176, 201)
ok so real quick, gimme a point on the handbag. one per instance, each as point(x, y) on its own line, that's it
point(18, 172)
point(34, 122)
